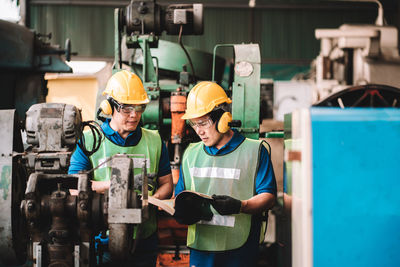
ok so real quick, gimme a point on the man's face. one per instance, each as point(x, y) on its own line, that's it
point(206, 130)
point(127, 117)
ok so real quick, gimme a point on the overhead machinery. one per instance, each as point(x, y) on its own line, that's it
point(169, 70)
point(340, 154)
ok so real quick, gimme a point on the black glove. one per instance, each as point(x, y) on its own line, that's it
point(226, 205)
point(191, 208)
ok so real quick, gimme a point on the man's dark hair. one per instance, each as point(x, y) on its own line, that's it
point(216, 113)
point(114, 104)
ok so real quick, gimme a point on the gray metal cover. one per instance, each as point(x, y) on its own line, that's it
point(53, 126)
point(9, 206)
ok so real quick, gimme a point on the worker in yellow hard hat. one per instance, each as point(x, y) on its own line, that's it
point(236, 171)
point(125, 103)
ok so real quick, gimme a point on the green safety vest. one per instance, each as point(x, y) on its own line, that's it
point(232, 174)
point(149, 148)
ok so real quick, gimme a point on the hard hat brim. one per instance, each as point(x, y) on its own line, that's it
point(192, 116)
point(135, 102)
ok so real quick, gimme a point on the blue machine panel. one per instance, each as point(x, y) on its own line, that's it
point(356, 187)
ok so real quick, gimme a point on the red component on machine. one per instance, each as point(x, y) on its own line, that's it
point(178, 107)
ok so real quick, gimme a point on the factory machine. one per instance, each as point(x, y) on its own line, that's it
point(341, 154)
point(25, 57)
point(360, 62)
point(43, 220)
point(27, 204)
point(169, 70)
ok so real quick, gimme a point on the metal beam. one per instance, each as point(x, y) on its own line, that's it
point(295, 6)
point(323, 5)
point(294, 61)
point(79, 3)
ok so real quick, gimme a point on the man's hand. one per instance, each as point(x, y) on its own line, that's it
point(165, 187)
point(226, 205)
point(191, 208)
point(100, 186)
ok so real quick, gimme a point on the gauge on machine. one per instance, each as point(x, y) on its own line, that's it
point(243, 68)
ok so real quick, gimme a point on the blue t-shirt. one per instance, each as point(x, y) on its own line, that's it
point(80, 162)
point(265, 183)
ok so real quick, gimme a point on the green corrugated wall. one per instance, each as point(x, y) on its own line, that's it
point(284, 29)
point(90, 29)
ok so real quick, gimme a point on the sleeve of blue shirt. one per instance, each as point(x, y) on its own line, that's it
point(180, 186)
point(79, 162)
point(265, 180)
point(164, 166)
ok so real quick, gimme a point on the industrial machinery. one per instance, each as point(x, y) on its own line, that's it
point(169, 70)
point(340, 154)
point(42, 220)
point(25, 57)
point(357, 55)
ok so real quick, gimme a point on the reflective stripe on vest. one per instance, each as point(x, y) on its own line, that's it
point(231, 174)
point(149, 147)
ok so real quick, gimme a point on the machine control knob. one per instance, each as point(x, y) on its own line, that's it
point(30, 206)
point(83, 205)
point(136, 22)
point(143, 8)
point(235, 123)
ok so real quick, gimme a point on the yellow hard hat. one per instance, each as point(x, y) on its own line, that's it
point(126, 88)
point(203, 98)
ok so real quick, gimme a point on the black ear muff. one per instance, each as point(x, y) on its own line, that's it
point(223, 122)
point(106, 107)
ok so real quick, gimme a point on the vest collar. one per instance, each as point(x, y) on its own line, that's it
point(232, 144)
point(132, 139)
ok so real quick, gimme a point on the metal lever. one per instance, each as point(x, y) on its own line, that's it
point(235, 123)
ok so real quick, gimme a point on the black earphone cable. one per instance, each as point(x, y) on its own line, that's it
point(96, 131)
